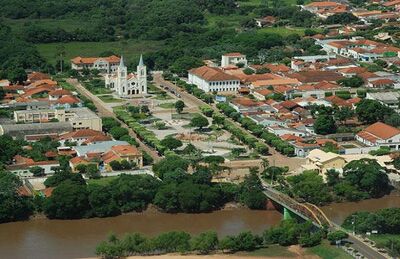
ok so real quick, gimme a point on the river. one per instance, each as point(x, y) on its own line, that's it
point(43, 238)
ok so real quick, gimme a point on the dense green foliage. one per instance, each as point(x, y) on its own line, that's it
point(13, 206)
point(288, 232)
point(371, 111)
point(385, 221)
point(361, 179)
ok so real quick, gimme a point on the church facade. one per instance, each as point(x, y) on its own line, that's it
point(126, 84)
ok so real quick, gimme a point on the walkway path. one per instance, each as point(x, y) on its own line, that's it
point(105, 111)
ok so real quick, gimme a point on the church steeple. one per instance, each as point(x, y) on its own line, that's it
point(141, 64)
point(121, 61)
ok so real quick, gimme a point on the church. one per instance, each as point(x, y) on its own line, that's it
point(128, 85)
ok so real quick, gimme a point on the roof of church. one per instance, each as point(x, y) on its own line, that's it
point(141, 61)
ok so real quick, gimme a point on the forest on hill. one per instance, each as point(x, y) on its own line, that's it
point(174, 34)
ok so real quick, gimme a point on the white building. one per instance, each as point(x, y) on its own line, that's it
point(380, 135)
point(233, 59)
point(212, 79)
point(128, 85)
point(103, 64)
point(79, 118)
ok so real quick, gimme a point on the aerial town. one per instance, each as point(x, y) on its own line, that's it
point(272, 126)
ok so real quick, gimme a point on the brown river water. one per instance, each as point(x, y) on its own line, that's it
point(43, 238)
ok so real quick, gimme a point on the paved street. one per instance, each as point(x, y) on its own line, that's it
point(106, 111)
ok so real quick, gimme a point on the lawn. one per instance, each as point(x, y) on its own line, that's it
point(108, 98)
point(327, 251)
point(167, 105)
point(102, 181)
point(283, 31)
point(130, 49)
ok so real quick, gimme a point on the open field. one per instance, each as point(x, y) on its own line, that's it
point(108, 98)
point(130, 49)
point(103, 180)
point(283, 31)
point(327, 251)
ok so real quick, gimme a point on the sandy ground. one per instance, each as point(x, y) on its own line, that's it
point(299, 253)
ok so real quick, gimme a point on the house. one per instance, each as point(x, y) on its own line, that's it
point(103, 64)
point(234, 58)
point(325, 8)
point(97, 148)
point(265, 21)
point(212, 79)
point(323, 161)
point(128, 85)
point(247, 105)
point(21, 166)
point(302, 149)
point(390, 99)
point(307, 77)
point(381, 83)
point(122, 152)
point(79, 118)
point(36, 76)
point(83, 136)
point(380, 134)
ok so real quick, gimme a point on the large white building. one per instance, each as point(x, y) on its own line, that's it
point(212, 79)
point(79, 118)
point(380, 135)
point(128, 85)
point(233, 59)
point(103, 64)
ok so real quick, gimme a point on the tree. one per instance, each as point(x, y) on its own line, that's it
point(393, 120)
point(37, 171)
point(17, 75)
point(248, 71)
point(332, 177)
point(118, 132)
point(63, 174)
point(171, 143)
point(205, 242)
point(116, 165)
point(102, 202)
point(367, 176)
point(344, 113)
point(337, 236)
point(170, 164)
point(179, 105)
point(69, 200)
point(218, 119)
point(324, 124)
point(109, 123)
point(251, 192)
point(353, 82)
point(341, 18)
point(199, 122)
point(174, 241)
point(310, 187)
point(13, 206)
point(371, 111)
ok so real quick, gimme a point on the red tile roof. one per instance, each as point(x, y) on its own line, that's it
point(379, 130)
point(212, 74)
point(91, 60)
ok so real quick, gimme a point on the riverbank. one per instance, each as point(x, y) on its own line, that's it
point(324, 250)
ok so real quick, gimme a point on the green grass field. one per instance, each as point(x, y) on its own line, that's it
point(167, 105)
point(109, 99)
point(327, 251)
point(283, 31)
point(102, 181)
point(130, 49)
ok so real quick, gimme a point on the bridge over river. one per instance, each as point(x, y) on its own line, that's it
point(311, 212)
